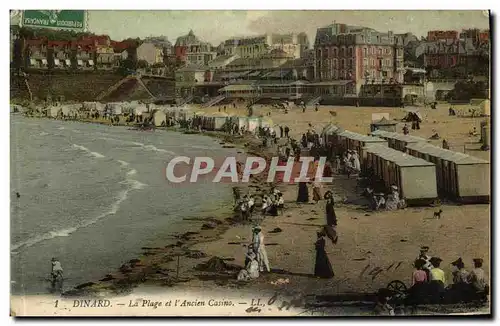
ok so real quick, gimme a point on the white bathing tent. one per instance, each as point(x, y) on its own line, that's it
point(253, 123)
point(483, 105)
point(159, 117)
point(265, 122)
point(415, 177)
point(53, 111)
point(459, 176)
point(70, 109)
point(397, 140)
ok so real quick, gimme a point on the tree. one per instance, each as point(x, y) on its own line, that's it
point(50, 59)
point(141, 64)
point(94, 58)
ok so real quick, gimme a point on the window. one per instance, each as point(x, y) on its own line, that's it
point(372, 62)
point(365, 62)
point(365, 52)
point(342, 65)
point(350, 63)
point(379, 51)
point(349, 51)
point(373, 50)
point(334, 52)
point(342, 51)
point(335, 63)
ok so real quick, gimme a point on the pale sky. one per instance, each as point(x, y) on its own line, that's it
point(217, 26)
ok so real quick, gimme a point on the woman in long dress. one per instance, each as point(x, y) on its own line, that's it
point(322, 268)
point(303, 194)
point(316, 191)
point(260, 249)
point(331, 217)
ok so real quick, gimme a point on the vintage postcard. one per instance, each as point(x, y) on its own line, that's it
point(250, 163)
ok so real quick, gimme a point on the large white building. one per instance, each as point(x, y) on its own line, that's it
point(257, 46)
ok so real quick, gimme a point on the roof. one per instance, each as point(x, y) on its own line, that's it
point(397, 157)
point(294, 63)
point(446, 154)
point(194, 67)
point(384, 122)
point(330, 128)
point(235, 88)
point(221, 59)
point(278, 73)
point(360, 137)
point(398, 136)
point(333, 82)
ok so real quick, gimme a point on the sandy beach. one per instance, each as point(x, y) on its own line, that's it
point(389, 240)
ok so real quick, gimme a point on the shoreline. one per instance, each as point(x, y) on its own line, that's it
point(132, 273)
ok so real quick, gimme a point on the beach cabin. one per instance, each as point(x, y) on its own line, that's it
point(384, 125)
point(350, 140)
point(159, 118)
point(240, 121)
point(53, 111)
point(253, 123)
point(415, 177)
point(328, 133)
point(265, 122)
point(219, 120)
point(482, 105)
point(460, 177)
point(396, 140)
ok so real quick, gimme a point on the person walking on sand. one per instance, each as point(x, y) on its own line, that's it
point(287, 130)
point(281, 131)
point(260, 249)
point(322, 267)
point(303, 193)
point(331, 217)
point(405, 129)
point(316, 191)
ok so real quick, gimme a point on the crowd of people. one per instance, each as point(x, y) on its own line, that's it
point(429, 279)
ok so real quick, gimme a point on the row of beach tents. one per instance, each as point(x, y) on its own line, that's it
point(161, 114)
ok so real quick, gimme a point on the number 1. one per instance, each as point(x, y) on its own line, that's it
point(57, 302)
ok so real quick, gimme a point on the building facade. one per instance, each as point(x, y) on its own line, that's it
point(441, 35)
point(150, 52)
point(358, 54)
point(192, 51)
point(258, 46)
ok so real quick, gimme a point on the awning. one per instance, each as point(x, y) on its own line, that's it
point(33, 62)
point(68, 62)
point(91, 62)
point(80, 62)
point(44, 61)
point(56, 62)
point(237, 88)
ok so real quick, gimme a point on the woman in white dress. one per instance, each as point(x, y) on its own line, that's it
point(260, 249)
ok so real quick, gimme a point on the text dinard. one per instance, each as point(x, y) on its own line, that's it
point(180, 303)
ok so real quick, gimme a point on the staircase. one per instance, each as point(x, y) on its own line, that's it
point(20, 88)
point(114, 87)
point(141, 82)
point(186, 100)
point(313, 101)
point(123, 91)
point(214, 101)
